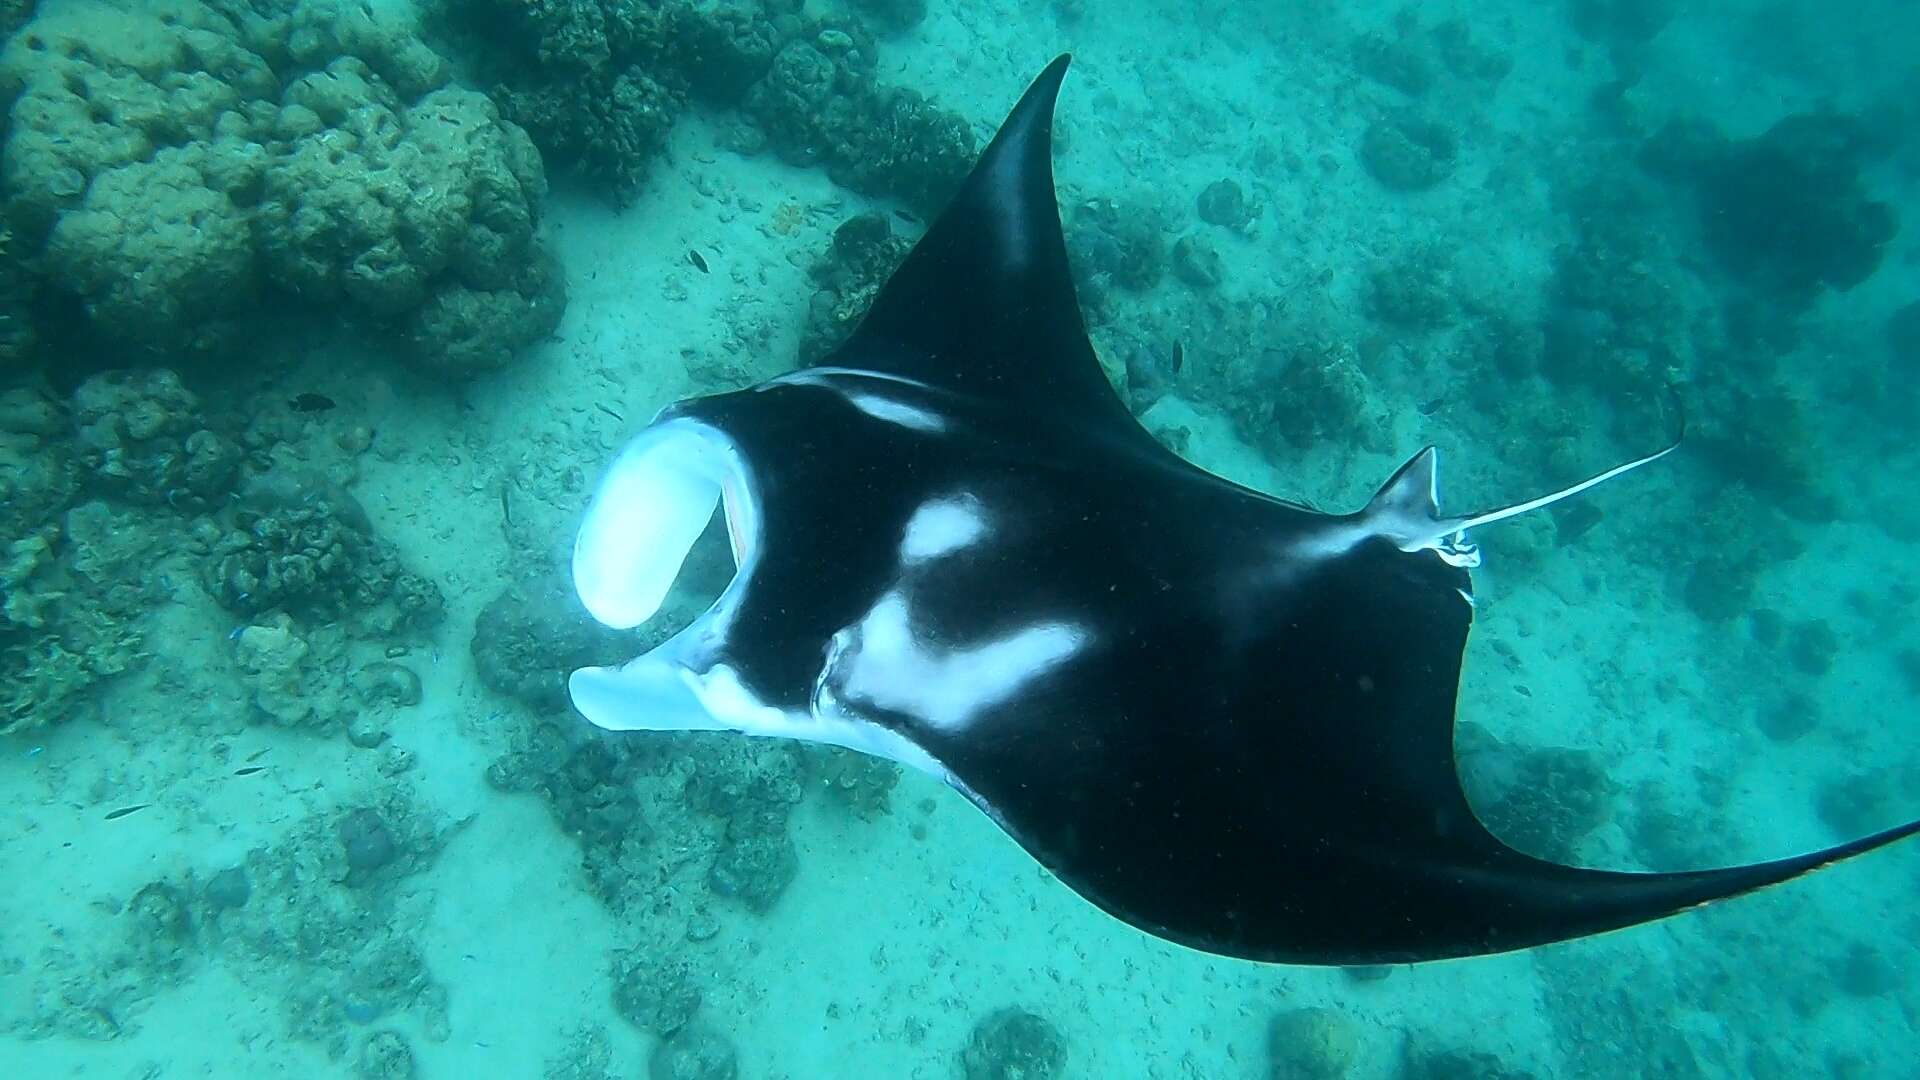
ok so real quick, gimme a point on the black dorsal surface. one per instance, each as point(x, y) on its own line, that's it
point(1225, 719)
point(985, 303)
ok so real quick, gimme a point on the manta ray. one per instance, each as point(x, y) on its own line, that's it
point(1223, 718)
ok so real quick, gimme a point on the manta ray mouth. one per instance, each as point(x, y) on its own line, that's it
point(647, 516)
point(653, 505)
point(650, 511)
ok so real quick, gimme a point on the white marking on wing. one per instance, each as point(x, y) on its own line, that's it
point(880, 407)
point(942, 527)
point(897, 412)
point(888, 667)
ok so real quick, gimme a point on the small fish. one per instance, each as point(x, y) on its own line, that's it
point(609, 412)
point(258, 754)
point(311, 402)
point(906, 217)
point(125, 810)
point(250, 770)
point(698, 260)
point(1179, 357)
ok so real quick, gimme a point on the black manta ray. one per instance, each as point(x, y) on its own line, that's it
point(1224, 718)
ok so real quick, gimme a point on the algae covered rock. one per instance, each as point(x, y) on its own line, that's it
point(864, 254)
point(530, 637)
point(1902, 333)
point(1408, 152)
point(694, 1052)
point(892, 141)
point(1225, 203)
point(599, 84)
point(1311, 1044)
point(39, 473)
point(317, 932)
point(74, 594)
point(273, 666)
point(175, 165)
point(367, 842)
point(385, 1055)
point(463, 329)
point(1787, 212)
point(655, 994)
point(19, 286)
point(1543, 800)
point(724, 51)
point(424, 214)
point(1122, 242)
point(1320, 394)
point(587, 79)
point(1411, 292)
point(142, 439)
point(792, 97)
point(893, 16)
point(612, 138)
point(1393, 61)
point(161, 929)
point(753, 789)
point(819, 103)
point(1013, 1044)
point(861, 783)
point(1425, 1063)
point(383, 201)
point(1197, 262)
point(757, 862)
point(311, 553)
point(158, 250)
point(13, 13)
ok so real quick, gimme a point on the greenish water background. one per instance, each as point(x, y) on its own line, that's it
point(317, 322)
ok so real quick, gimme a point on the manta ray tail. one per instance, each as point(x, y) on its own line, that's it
point(1406, 509)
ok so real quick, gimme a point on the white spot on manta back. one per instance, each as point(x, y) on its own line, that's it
point(843, 381)
point(897, 412)
point(942, 527)
point(882, 663)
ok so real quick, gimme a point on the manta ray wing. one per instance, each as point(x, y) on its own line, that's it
point(984, 305)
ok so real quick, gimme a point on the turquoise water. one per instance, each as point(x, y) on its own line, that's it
point(319, 322)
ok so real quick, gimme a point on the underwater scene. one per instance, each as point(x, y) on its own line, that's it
point(337, 501)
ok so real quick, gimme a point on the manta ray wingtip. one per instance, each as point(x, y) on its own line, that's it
point(1547, 902)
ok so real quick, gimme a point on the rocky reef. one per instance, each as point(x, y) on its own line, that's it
point(175, 167)
point(848, 275)
point(310, 552)
point(600, 84)
point(1013, 1044)
point(1787, 212)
